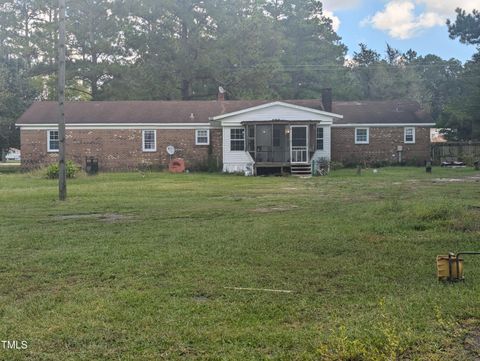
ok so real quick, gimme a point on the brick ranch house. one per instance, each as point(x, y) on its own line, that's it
point(239, 136)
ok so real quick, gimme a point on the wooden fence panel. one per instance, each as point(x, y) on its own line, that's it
point(464, 152)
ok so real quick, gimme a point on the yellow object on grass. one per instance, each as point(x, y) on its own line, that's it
point(443, 271)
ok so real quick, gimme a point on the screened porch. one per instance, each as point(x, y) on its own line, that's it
point(282, 144)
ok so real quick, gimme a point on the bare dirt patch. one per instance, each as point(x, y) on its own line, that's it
point(103, 217)
point(472, 338)
point(201, 298)
point(274, 209)
point(475, 178)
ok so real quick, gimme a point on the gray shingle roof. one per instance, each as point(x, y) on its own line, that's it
point(371, 112)
point(381, 112)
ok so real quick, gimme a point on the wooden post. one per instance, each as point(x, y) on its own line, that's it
point(62, 173)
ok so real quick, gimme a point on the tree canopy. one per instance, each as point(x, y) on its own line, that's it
point(461, 115)
point(466, 27)
point(186, 49)
point(16, 93)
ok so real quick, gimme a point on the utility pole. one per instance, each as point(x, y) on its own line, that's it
point(62, 172)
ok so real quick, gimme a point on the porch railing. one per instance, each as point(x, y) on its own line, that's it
point(299, 155)
point(271, 156)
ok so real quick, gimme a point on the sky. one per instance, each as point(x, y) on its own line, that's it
point(404, 24)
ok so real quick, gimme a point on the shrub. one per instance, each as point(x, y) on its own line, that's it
point(381, 163)
point(53, 170)
point(210, 164)
point(414, 162)
point(148, 167)
point(336, 165)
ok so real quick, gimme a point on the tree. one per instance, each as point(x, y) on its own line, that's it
point(312, 55)
point(366, 69)
point(461, 115)
point(394, 56)
point(16, 94)
point(171, 44)
point(95, 44)
point(19, 21)
point(439, 80)
point(247, 66)
point(466, 27)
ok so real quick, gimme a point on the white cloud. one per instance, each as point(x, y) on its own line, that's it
point(447, 7)
point(402, 19)
point(330, 6)
point(335, 19)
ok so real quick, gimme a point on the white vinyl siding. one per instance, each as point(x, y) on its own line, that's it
point(149, 140)
point(409, 135)
point(202, 137)
point(324, 153)
point(235, 161)
point(362, 135)
point(53, 141)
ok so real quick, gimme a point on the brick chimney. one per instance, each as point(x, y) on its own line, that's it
point(327, 99)
point(221, 94)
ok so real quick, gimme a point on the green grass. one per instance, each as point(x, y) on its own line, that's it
point(358, 252)
point(9, 167)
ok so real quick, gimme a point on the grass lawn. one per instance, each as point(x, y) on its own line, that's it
point(143, 266)
point(9, 167)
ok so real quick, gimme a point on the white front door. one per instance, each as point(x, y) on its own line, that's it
point(299, 144)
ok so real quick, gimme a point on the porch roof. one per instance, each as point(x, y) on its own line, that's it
point(278, 110)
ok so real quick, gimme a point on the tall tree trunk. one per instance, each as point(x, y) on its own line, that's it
point(186, 89)
point(27, 53)
point(94, 88)
point(186, 86)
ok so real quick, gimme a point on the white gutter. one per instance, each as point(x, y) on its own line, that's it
point(119, 126)
point(383, 125)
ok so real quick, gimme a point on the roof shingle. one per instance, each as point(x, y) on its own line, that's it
point(162, 112)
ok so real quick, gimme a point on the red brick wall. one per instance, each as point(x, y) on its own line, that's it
point(121, 149)
point(382, 146)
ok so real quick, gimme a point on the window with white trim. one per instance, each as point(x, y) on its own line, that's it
point(53, 141)
point(202, 137)
point(362, 135)
point(149, 140)
point(237, 139)
point(409, 135)
point(320, 135)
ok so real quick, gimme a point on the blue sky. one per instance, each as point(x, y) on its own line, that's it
point(404, 24)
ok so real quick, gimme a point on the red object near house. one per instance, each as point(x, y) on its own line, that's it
point(177, 166)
